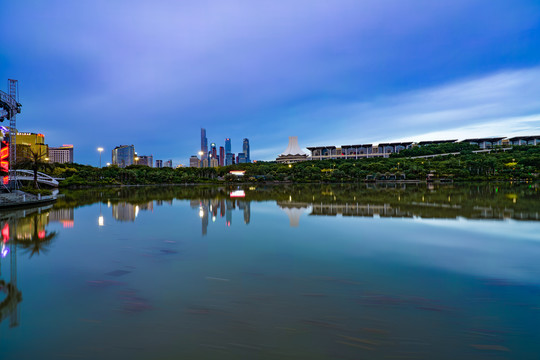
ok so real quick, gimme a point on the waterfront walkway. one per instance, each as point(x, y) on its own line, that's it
point(19, 198)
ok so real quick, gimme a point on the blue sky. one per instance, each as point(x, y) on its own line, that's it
point(152, 73)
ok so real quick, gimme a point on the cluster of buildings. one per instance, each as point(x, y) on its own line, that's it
point(125, 155)
point(293, 153)
point(210, 157)
point(30, 144)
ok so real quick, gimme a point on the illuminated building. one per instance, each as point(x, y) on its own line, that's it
point(123, 155)
point(204, 144)
point(61, 155)
point(159, 163)
point(214, 162)
point(204, 163)
point(28, 143)
point(168, 163)
point(147, 160)
point(245, 149)
point(194, 161)
point(227, 151)
point(221, 156)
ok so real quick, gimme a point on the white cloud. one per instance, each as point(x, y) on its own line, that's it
point(500, 104)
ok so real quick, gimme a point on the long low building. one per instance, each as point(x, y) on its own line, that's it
point(385, 149)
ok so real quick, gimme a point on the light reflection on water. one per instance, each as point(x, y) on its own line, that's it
point(314, 272)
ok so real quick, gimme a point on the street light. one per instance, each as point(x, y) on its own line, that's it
point(100, 149)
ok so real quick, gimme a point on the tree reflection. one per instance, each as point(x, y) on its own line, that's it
point(32, 236)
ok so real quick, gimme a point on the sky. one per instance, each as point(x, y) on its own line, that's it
point(151, 73)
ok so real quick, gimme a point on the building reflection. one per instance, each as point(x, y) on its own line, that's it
point(125, 211)
point(220, 210)
point(24, 230)
point(427, 210)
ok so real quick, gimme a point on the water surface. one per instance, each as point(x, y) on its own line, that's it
point(297, 272)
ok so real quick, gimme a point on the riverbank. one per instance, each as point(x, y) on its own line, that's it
point(521, 163)
point(21, 199)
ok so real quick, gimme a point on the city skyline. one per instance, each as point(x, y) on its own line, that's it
point(375, 71)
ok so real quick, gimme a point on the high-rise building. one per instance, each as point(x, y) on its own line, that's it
point(221, 156)
point(227, 148)
point(245, 149)
point(214, 162)
point(194, 161)
point(204, 163)
point(123, 155)
point(61, 155)
point(229, 159)
point(147, 160)
point(213, 150)
point(159, 163)
point(241, 158)
point(168, 163)
point(204, 144)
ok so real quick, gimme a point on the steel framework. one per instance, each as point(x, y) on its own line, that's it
point(9, 108)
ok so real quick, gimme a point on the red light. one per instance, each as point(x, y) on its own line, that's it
point(5, 232)
point(4, 157)
point(41, 234)
point(68, 224)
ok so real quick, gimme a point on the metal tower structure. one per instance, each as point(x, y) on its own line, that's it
point(13, 86)
point(9, 108)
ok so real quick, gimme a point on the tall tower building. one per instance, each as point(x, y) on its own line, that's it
point(204, 143)
point(227, 145)
point(245, 148)
point(221, 156)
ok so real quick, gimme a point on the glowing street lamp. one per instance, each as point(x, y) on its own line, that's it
point(100, 149)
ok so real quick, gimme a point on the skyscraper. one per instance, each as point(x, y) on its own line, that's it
point(159, 163)
point(168, 163)
point(204, 144)
point(245, 149)
point(221, 156)
point(123, 155)
point(241, 158)
point(213, 151)
point(229, 159)
point(227, 151)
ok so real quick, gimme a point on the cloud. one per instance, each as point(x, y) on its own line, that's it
point(152, 73)
point(500, 104)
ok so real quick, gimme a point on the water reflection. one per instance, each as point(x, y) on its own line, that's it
point(25, 229)
point(212, 208)
point(217, 204)
point(320, 272)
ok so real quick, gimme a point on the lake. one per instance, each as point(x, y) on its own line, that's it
point(370, 271)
